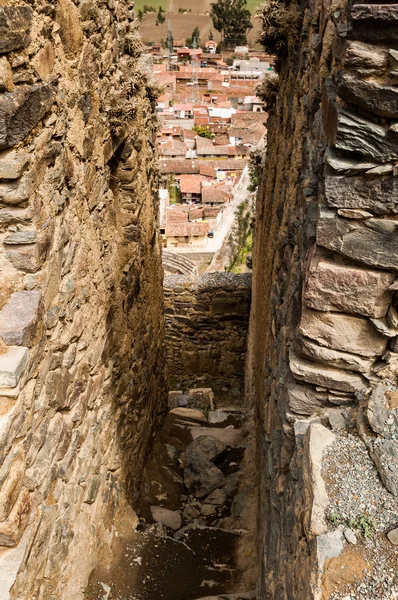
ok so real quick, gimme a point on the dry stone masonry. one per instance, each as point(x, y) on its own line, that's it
point(323, 346)
point(206, 331)
point(81, 328)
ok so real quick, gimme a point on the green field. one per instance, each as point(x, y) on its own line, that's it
point(201, 6)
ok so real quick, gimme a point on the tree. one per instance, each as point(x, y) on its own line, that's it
point(239, 238)
point(194, 36)
point(170, 41)
point(232, 19)
point(203, 132)
point(160, 18)
point(210, 35)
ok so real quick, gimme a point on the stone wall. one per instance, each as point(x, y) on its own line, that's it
point(81, 325)
point(206, 330)
point(323, 336)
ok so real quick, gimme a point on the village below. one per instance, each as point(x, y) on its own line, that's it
point(211, 121)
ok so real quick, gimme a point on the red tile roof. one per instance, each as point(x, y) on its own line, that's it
point(187, 229)
point(190, 184)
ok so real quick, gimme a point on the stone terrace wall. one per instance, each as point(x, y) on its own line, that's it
point(206, 330)
point(81, 324)
point(324, 323)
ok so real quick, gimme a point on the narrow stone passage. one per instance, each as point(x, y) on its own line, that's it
point(194, 537)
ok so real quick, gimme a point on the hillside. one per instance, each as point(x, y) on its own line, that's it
point(201, 6)
point(182, 26)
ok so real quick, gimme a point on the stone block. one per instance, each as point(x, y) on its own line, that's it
point(385, 456)
point(348, 165)
point(43, 62)
point(342, 332)
point(353, 133)
point(16, 192)
point(377, 194)
point(15, 24)
point(372, 96)
point(375, 22)
point(304, 400)
point(15, 216)
point(12, 164)
point(317, 439)
point(322, 375)
point(365, 56)
point(21, 110)
point(12, 365)
point(373, 242)
point(24, 257)
point(335, 358)
point(11, 483)
point(12, 529)
point(19, 318)
point(6, 83)
point(335, 286)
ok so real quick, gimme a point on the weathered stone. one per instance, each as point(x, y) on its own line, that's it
point(380, 170)
point(202, 477)
point(16, 192)
point(342, 332)
point(218, 497)
point(226, 435)
point(328, 377)
point(21, 238)
point(208, 447)
point(336, 286)
point(12, 164)
point(348, 165)
point(375, 22)
point(12, 365)
point(15, 23)
point(24, 257)
point(304, 400)
point(354, 213)
point(353, 133)
point(383, 327)
point(21, 110)
point(189, 413)
point(385, 456)
point(168, 518)
point(43, 62)
point(358, 239)
point(377, 411)
point(367, 56)
point(370, 95)
point(11, 484)
point(12, 529)
point(207, 510)
point(19, 318)
point(350, 536)
point(6, 84)
point(393, 536)
point(378, 194)
point(317, 438)
point(335, 358)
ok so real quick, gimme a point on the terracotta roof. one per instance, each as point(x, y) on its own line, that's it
point(216, 195)
point(190, 184)
point(178, 167)
point(245, 119)
point(177, 214)
point(187, 229)
point(173, 148)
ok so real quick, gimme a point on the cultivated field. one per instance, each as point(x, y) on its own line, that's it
point(197, 6)
point(183, 25)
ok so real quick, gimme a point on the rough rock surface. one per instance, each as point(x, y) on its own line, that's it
point(82, 382)
point(324, 263)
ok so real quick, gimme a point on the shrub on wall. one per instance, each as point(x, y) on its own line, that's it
point(279, 25)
